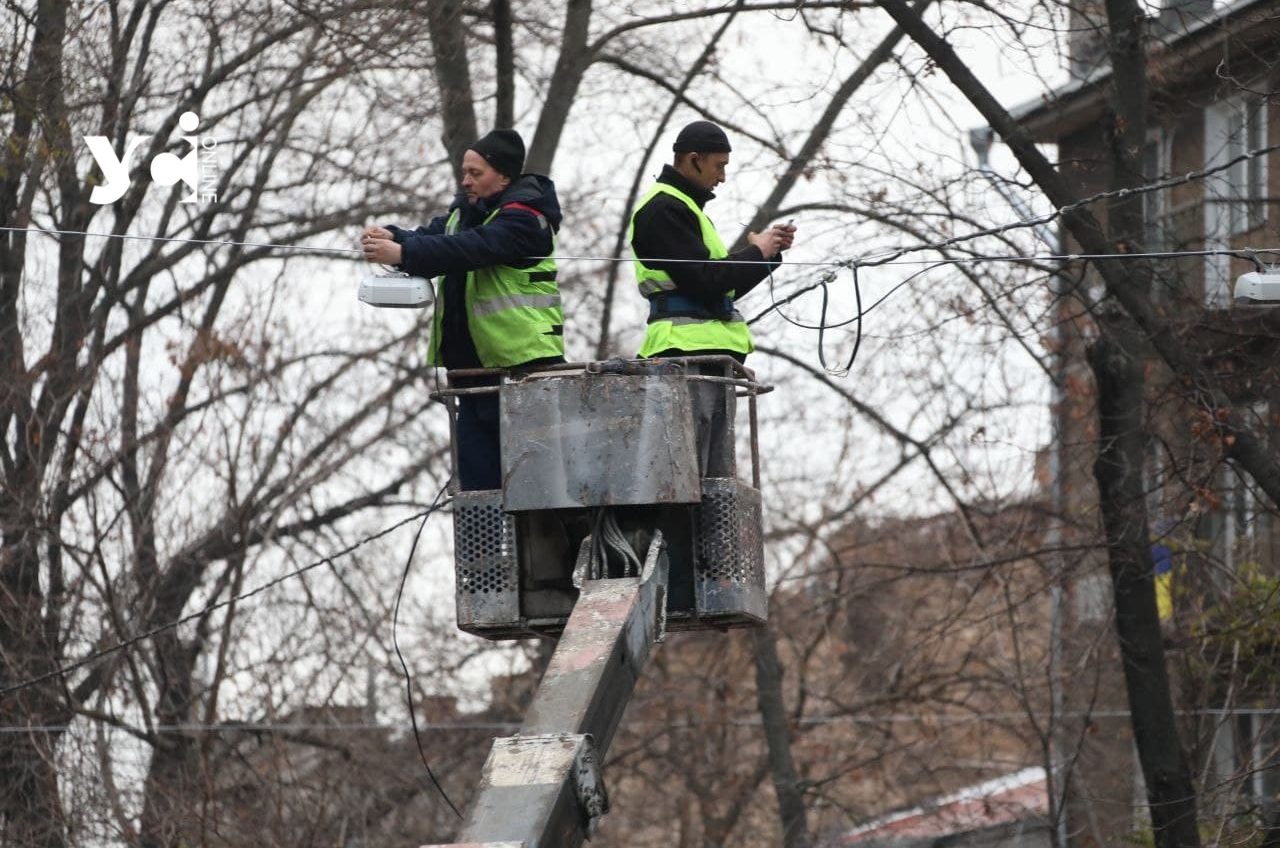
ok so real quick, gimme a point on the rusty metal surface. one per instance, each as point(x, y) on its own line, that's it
point(729, 582)
point(645, 364)
point(600, 656)
point(754, 427)
point(543, 787)
point(531, 790)
point(589, 440)
point(485, 563)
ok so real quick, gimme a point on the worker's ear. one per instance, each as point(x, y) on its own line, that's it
point(693, 160)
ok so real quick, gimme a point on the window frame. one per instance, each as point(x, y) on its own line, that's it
point(1246, 129)
point(1232, 192)
point(1155, 204)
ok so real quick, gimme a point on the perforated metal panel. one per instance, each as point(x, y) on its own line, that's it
point(729, 583)
point(485, 561)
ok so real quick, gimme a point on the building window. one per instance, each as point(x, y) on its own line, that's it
point(1257, 759)
point(1091, 598)
point(1246, 757)
point(1246, 127)
point(1243, 520)
point(1158, 231)
point(1236, 193)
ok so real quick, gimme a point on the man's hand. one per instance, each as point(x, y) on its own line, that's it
point(773, 240)
point(378, 247)
point(788, 232)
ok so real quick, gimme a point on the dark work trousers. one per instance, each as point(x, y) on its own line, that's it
point(479, 451)
point(714, 406)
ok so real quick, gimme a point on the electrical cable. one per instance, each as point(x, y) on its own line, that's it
point(823, 325)
point(472, 726)
point(424, 515)
point(218, 242)
point(822, 282)
point(161, 628)
point(615, 540)
point(607, 536)
point(395, 642)
point(873, 260)
point(893, 257)
point(1039, 220)
point(902, 283)
point(597, 567)
point(888, 257)
point(857, 340)
point(1249, 253)
point(1034, 221)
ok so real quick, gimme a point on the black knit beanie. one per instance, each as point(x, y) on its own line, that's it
point(702, 137)
point(504, 150)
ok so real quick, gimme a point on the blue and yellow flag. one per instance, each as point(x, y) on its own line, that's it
point(1163, 558)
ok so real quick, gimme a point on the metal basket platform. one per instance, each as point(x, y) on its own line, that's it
point(578, 441)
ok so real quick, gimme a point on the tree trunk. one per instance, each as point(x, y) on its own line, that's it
point(1271, 831)
point(453, 79)
point(571, 64)
point(504, 114)
point(1119, 372)
point(777, 734)
point(1118, 471)
point(170, 791)
point(30, 806)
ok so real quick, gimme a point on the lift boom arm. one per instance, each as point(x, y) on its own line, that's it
point(542, 788)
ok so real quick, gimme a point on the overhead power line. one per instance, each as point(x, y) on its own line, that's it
point(170, 625)
point(470, 725)
point(437, 502)
point(866, 261)
point(885, 257)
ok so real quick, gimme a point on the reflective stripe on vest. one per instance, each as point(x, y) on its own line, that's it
point(490, 305)
point(686, 320)
point(685, 333)
point(514, 314)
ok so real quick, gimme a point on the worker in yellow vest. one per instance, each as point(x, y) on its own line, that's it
point(497, 302)
point(690, 279)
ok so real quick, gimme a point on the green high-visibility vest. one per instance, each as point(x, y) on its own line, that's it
point(686, 333)
point(514, 314)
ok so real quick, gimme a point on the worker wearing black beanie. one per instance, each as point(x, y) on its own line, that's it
point(702, 137)
point(504, 150)
point(497, 300)
point(692, 300)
